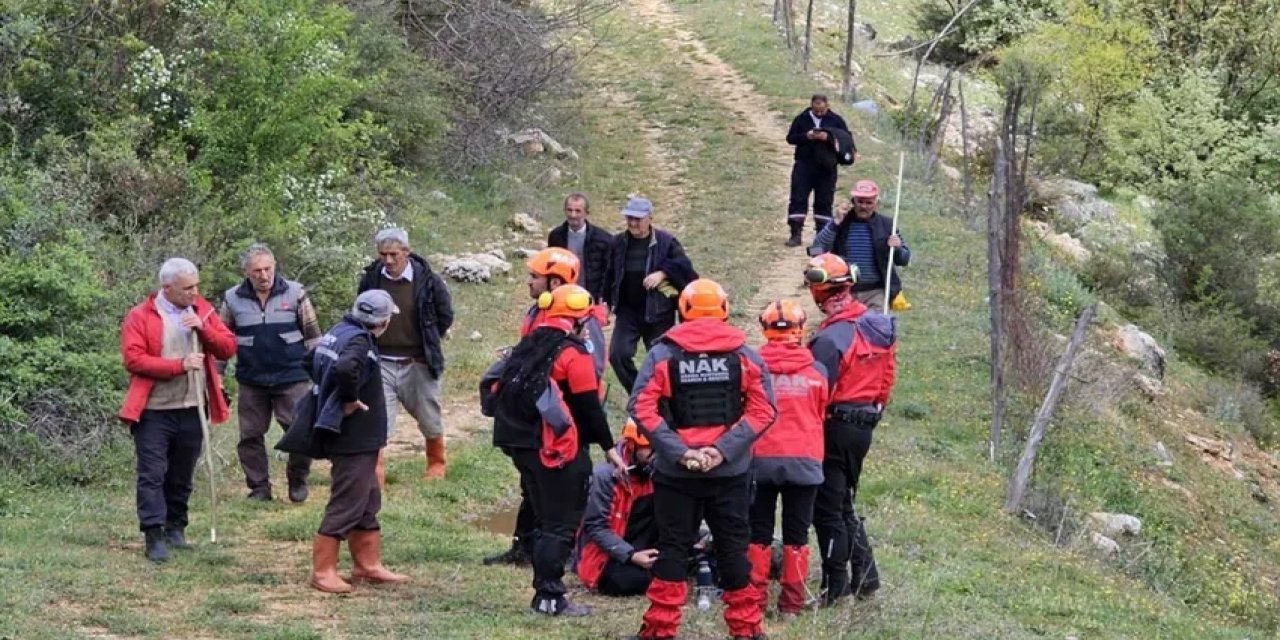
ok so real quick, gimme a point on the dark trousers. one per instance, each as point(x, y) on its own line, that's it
point(842, 540)
point(797, 512)
point(807, 179)
point(558, 497)
point(354, 496)
point(167, 444)
point(526, 522)
point(629, 328)
point(681, 504)
point(255, 405)
point(622, 579)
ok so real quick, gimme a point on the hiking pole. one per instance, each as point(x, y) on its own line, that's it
point(897, 201)
point(208, 442)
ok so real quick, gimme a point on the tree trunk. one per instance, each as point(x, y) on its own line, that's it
point(1021, 475)
point(995, 299)
point(788, 23)
point(846, 84)
point(777, 6)
point(970, 218)
point(808, 34)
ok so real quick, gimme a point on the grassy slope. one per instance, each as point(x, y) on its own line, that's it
point(953, 566)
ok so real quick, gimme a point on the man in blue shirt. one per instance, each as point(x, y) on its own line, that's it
point(863, 240)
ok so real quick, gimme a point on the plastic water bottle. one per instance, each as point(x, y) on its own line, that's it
point(704, 585)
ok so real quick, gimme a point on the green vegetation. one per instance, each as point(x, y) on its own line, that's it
point(99, 187)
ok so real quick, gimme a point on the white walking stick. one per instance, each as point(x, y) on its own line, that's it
point(201, 407)
point(897, 200)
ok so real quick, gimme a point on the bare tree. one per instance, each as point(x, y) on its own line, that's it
point(995, 294)
point(964, 152)
point(932, 43)
point(1022, 474)
point(808, 35)
point(846, 83)
point(502, 58)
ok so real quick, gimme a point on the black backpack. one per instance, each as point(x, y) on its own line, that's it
point(523, 380)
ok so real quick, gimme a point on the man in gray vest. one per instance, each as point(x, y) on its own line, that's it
point(275, 326)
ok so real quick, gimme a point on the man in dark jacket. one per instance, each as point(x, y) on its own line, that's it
point(411, 350)
point(275, 325)
point(649, 270)
point(590, 243)
point(814, 171)
point(348, 426)
point(702, 400)
point(863, 240)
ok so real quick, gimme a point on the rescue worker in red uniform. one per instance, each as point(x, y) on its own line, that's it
point(858, 349)
point(545, 401)
point(549, 269)
point(618, 540)
point(788, 459)
point(702, 399)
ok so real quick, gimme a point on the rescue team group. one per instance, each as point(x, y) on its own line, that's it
point(717, 433)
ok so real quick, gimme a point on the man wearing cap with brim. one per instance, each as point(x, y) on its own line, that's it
point(649, 270)
point(862, 240)
point(344, 420)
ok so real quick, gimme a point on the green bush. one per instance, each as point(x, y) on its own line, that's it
point(1217, 337)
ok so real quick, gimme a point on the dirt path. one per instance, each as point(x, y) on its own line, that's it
point(721, 82)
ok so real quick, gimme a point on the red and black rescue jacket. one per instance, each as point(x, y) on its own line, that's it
point(545, 396)
point(858, 348)
point(618, 514)
point(791, 451)
point(702, 386)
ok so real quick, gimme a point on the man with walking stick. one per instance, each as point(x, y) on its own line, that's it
point(164, 341)
point(866, 240)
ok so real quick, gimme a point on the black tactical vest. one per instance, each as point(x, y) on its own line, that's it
point(706, 389)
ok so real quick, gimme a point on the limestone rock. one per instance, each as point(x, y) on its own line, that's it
point(1150, 388)
point(1162, 452)
point(1104, 544)
point(525, 253)
point(466, 270)
point(526, 223)
point(1076, 203)
point(1139, 345)
point(475, 336)
point(953, 174)
point(1112, 525)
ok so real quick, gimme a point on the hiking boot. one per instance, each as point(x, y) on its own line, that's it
point(560, 607)
point(298, 491)
point(262, 494)
point(156, 549)
point(794, 240)
point(514, 556)
point(176, 538)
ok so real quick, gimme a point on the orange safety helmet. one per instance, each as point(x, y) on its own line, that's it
point(631, 432)
point(555, 261)
point(783, 320)
point(566, 301)
point(704, 298)
point(828, 274)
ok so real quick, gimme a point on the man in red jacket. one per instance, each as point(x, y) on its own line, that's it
point(616, 545)
point(788, 459)
point(857, 347)
point(164, 341)
point(702, 398)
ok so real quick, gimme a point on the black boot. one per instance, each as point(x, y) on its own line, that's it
point(794, 240)
point(261, 494)
point(559, 607)
point(865, 576)
point(298, 491)
point(515, 556)
point(157, 551)
point(835, 587)
point(176, 538)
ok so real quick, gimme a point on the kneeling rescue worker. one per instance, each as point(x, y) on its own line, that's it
point(702, 399)
point(617, 543)
point(788, 458)
point(858, 348)
point(546, 407)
